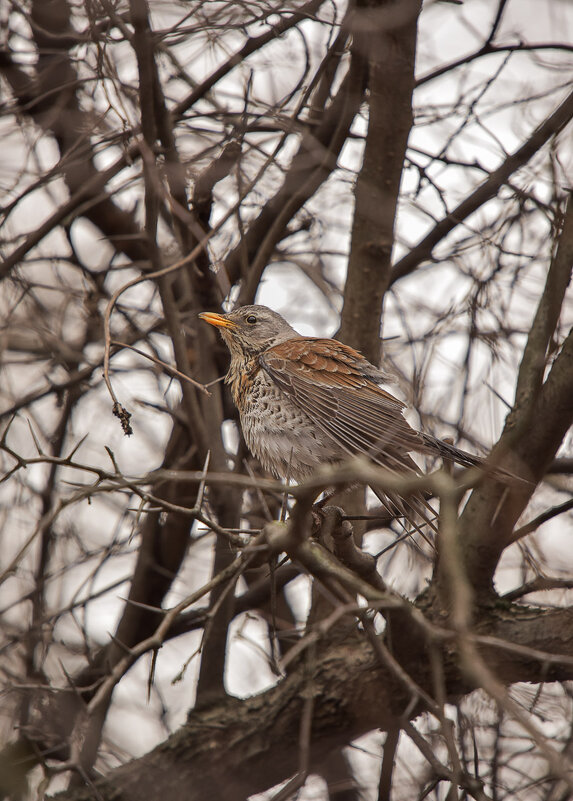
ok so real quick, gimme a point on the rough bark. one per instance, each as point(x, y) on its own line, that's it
point(239, 747)
point(385, 35)
point(541, 416)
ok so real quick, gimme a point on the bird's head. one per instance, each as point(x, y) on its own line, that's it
point(250, 330)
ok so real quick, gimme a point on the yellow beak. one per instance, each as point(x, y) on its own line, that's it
point(217, 320)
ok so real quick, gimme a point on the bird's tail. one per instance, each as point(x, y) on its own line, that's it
point(449, 452)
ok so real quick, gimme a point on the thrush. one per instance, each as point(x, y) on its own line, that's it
point(304, 402)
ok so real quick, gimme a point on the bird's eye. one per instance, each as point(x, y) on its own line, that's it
point(251, 319)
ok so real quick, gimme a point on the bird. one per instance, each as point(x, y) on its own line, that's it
point(304, 402)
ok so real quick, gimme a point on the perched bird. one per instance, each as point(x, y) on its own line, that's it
point(306, 401)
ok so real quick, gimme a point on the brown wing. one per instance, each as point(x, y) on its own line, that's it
point(337, 389)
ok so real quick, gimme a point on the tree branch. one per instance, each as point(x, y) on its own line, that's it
point(533, 432)
point(485, 191)
point(385, 36)
point(353, 694)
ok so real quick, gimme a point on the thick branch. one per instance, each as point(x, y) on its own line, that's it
point(353, 695)
point(534, 429)
point(385, 35)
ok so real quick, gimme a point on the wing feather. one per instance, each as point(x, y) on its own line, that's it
point(337, 388)
point(332, 384)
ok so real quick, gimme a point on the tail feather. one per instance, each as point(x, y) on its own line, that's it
point(414, 509)
point(449, 452)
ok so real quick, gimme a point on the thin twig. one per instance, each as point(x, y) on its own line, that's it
point(167, 367)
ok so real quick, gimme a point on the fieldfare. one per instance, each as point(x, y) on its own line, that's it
point(306, 401)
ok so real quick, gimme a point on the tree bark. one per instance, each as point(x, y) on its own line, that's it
point(239, 747)
point(385, 36)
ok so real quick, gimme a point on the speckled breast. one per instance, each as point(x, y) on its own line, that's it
point(279, 433)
